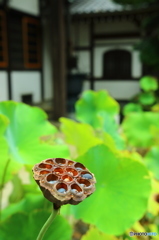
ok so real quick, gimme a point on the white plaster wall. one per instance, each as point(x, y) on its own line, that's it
point(29, 6)
point(136, 64)
point(110, 27)
point(83, 61)
point(25, 83)
point(120, 90)
point(3, 86)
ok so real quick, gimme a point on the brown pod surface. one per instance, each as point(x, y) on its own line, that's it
point(64, 181)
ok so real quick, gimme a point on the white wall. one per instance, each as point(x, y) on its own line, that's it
point(29, 6)
point(83, 61)
point(114, 26)
point(3, 86)
point(25, 83)
point(120, 90)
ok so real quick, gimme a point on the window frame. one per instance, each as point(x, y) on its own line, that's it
point(115, 73)
point(25, 21)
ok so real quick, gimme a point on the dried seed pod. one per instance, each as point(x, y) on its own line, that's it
point(64, 181)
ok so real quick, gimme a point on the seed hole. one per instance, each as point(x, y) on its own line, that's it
point(43, 165)
point(79, 166)
point(51, 178)
point(75, 188)
point(58, 170)
point(84, 182)
point(70, 163)
point(67, 178)
point(60, 161)
point(72, 171)
point(49, 161)
point(44, 172)
point(86, 175)
point(61, 187)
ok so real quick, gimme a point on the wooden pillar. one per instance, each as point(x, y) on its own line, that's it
point(59, 57)
point(92, 54)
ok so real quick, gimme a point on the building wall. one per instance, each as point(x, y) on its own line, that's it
point(118, 88)
point(28, 6)
point(3, 86)
point(29, 82)
point(24, 83)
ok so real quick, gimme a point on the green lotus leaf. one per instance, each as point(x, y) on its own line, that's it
point(110, 126)
point(23, 135)
point(152, 161)
point(27, 226)
point(18, 190)
point(7, 169)
point(139, 129)
point(91, 104)
point(131, 107)
point(95, 234)
point(147, 98)
point(148, 83)
point(26, 205)
point(80, 135)
point(122, 191)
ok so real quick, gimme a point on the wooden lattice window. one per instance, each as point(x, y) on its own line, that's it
point(117, 64)
point(31, 43)
point(15, 41)
point(3, 41)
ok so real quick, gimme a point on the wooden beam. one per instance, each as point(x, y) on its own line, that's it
point(116, 35)
point(59, 57)
point(82, 48)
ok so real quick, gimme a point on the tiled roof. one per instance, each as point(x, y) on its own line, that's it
point(94, 6)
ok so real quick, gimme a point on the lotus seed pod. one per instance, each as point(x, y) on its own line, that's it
point(64, 181)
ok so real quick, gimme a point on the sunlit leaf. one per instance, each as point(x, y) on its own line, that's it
point(27, 226)
point(148, 83)
point(122, 191)
point(80, 135)
point(92, 104)
point(139, 128)
point(155, 108)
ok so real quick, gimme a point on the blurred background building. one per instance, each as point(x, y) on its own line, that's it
point(52, 50)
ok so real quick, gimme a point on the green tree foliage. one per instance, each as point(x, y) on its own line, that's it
point(149, 45)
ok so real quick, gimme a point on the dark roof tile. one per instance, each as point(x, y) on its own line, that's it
point(94, 6)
